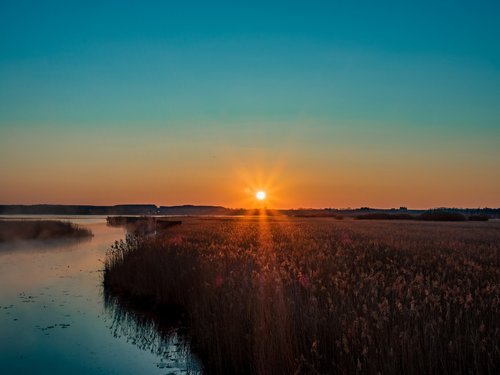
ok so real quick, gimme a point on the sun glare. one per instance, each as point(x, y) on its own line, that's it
point(260, 195)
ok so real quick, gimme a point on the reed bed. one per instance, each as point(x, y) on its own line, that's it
point(321, 296)
point(15, 230)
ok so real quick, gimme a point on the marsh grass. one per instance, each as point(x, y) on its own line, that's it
point(283, 296)
point(15, 230)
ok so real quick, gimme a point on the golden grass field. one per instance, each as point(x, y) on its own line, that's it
point(282, 296)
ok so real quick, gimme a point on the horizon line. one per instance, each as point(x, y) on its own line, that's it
point(253, 208)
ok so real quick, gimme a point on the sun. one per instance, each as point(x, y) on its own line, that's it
point(260, 195)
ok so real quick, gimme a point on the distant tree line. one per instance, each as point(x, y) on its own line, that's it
point(151, 209)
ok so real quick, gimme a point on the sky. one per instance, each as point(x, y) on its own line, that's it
point(319, 103)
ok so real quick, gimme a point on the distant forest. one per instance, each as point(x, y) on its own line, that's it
point(151, 209)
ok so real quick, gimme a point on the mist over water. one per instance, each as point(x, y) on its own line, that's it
point(55, 319)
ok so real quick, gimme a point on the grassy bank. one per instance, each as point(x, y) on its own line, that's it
point(283, 296)
point(14, 230)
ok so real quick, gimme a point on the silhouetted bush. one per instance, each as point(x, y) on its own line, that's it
point(437, 215)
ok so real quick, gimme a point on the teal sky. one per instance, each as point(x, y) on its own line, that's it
point(339, 103)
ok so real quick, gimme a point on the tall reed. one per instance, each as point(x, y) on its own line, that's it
point(284, 296)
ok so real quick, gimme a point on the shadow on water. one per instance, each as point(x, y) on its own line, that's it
point(161, 332)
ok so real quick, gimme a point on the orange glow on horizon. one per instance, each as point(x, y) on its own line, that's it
point(119, 170)
point(260, 190)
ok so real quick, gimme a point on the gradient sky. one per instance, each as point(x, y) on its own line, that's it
point(323, 104)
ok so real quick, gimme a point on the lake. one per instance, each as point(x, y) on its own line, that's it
point(54, 317)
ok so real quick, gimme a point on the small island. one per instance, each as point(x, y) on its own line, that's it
point(17, 230)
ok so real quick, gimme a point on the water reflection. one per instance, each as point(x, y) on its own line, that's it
point(46, 245)
point(53, 318)
point(165, 337)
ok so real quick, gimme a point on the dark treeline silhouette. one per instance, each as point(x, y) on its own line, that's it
point(187, 210)
point(430, 215)
point(441, 215)
point(57, 209)
point(385, 216)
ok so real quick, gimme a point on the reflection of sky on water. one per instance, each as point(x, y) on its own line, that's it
point(52, 317)
point(164, 338)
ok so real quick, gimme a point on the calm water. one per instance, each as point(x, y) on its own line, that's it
point(54, 318)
